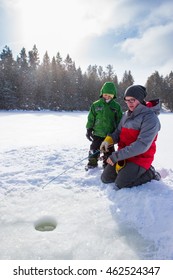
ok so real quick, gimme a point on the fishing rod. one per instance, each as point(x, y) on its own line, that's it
point(71, 167)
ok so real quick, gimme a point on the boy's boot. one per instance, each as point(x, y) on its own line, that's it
point(92, 159)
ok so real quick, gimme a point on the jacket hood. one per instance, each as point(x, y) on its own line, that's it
point(154, 105)
point(108, 87)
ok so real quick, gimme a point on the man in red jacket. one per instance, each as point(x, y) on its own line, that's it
point(136, 135)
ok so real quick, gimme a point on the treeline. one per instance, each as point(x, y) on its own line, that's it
point(56, 84)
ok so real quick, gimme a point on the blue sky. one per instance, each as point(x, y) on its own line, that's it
point(128, 34)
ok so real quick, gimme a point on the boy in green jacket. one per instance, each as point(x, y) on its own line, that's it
point(103, 118)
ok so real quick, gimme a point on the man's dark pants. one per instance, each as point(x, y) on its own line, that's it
point(129, 176)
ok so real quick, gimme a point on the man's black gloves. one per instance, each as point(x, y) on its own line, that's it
point(89, 134)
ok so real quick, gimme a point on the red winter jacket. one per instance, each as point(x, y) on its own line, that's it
point(136, 136)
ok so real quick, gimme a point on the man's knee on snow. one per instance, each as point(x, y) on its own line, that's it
point(109, 174)
point(106, 180)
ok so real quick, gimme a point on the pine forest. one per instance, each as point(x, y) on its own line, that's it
point(56, 84)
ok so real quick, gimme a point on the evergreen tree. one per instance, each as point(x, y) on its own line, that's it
point(22, 60)
point(44, 94)
point(34, 58)
point(168, 96)
point(23, 73)
point(155, 86)
point(54, 85)
point(8, 78)
point(58, 73)
point(32, 77)
point(58, 85)
point(79, 94)
point(93, 83)
point(126, 81)
point(110, 72)
point(101, 74)
point(69, 84)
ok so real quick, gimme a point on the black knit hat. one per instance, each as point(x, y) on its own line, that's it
point(136, 91)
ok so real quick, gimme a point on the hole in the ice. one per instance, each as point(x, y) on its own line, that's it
point(45, 224)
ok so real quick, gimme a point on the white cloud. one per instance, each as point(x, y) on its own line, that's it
point(141, 31)
point(155, 44)
point(153, 50)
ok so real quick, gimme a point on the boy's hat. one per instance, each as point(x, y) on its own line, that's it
point(136, 91)
point(109, 88)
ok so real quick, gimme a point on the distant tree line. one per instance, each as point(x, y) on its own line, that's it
point(56, 84)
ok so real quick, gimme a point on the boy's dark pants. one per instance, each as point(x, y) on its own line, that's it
point(95, 145)
point(129, 176)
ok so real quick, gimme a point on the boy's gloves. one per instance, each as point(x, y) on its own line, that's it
point(89, 134)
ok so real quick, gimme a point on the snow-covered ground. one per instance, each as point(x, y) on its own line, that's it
point(92, 220)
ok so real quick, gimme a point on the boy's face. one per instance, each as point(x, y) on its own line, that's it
point(108, 96)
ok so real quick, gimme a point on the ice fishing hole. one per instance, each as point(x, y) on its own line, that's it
point(45, 224)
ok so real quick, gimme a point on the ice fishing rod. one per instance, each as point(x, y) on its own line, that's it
point(71, 167)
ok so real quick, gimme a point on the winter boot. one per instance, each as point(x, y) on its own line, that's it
point(156, 175)
point(92, 160)
point(150, 174)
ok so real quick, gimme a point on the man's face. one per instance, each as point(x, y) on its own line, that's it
point(131, 102)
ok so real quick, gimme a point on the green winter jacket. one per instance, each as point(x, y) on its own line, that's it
point(104, 117)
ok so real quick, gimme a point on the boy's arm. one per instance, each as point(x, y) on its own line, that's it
point(119, 113)
point(91, 117)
